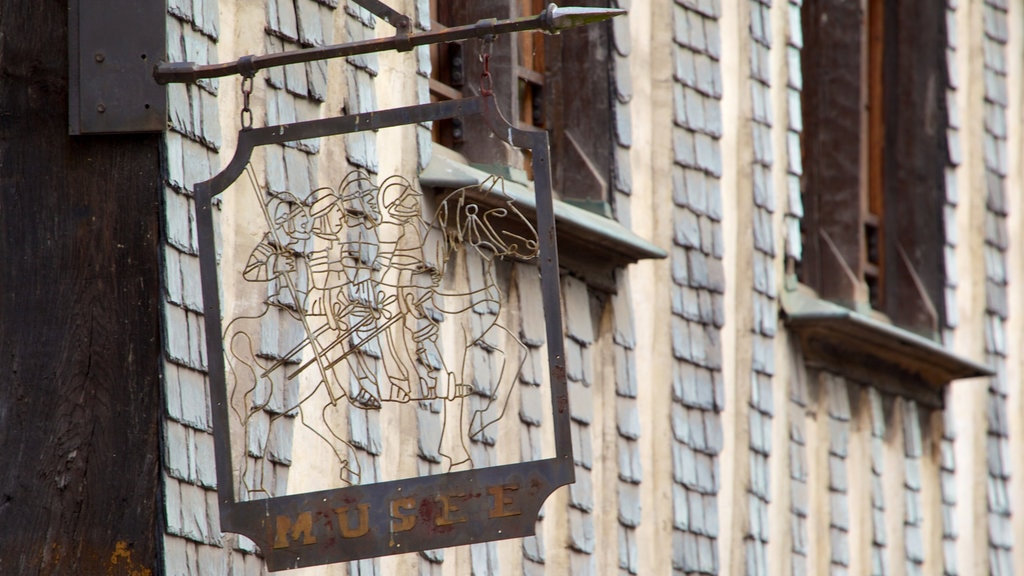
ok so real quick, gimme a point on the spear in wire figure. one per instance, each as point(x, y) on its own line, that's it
point(280, 263)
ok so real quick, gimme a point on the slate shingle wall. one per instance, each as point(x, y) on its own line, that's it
point(947, 486)
point(879, 539)
point(622, 91)
point(488, 364)
point(850, 486)
point(947, 474)
point(698, 394)
point(1000, 533)
point(762, 408)
point(532, 405)
point(954, 159)
point(799, 398)
point(913, 516)
point(291, 168)
point(421, 21)
point(838, 412)
point(193, 543)
point(627, 417)
point(627, 425)
point(794, 129)
point(580, 338)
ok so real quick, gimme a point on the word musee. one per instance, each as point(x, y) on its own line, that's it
point(437, 514)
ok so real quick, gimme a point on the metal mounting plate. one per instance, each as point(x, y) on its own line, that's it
point(113, 47)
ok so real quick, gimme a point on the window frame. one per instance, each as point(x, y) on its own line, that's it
point(576, 100)
point(874, 147)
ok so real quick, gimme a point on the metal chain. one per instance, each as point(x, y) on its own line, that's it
point(486, 81)
point(246, 115)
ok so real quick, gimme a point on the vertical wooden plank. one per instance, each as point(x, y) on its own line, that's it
point(832, 72)
point(531, 46)
point(481, 145)
point(873, 260)
point(79, 322)
point(915, 157)
point(875, 108)
point(530, 70)
point(579, 109)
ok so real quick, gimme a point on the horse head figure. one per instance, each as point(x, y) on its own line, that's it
point(485, 218)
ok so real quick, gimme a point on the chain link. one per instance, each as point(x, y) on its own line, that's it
point(486, 81)
point(246, 116)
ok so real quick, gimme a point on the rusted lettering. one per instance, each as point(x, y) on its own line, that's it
point(448, 510)
point(503, 502)
point(303, 526)
point(402, 522)
point(345, 520)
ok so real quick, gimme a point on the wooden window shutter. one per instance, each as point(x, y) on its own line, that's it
point(832, 68)
point(578, 96)
point(480, 145)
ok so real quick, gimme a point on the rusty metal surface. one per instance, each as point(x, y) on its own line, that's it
point(400, 516)
point(388, 14)
point(552, 20)
point(424, 513)
point(112, 49)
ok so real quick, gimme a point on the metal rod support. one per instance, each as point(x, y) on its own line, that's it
point(387, 13)
point(553, 20)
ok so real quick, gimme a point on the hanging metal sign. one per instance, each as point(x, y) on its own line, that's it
point(357, 269)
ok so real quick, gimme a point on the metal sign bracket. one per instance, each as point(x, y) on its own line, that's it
point(113, 46)
point(117, 51)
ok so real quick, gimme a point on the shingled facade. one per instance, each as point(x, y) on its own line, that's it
point(715, 429)
point(792, 282)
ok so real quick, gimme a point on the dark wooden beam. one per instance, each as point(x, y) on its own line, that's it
point(80, 402)
point(915, 160)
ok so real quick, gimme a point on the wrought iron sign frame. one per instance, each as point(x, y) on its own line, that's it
point(413, 514)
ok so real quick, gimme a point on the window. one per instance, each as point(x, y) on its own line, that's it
point(559, 83)
point(530, 70)
point(874, 156)
point(447, 74)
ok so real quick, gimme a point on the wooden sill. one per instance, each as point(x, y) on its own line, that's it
point(530, 75)
point(872, 351)
point(588, 243)
point(443, 90)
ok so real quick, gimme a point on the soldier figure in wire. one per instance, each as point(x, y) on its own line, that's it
point(417, 370)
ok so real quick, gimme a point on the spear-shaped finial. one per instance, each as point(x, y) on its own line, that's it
point(556, 19)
